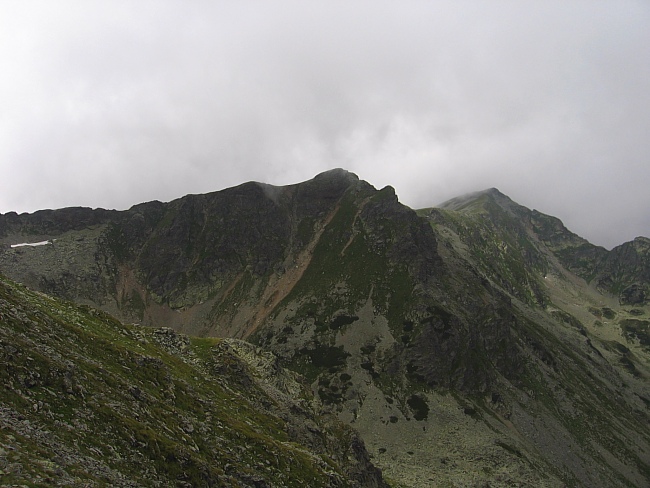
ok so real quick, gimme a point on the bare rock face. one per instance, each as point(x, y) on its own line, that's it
point(53, 222)
point(627, 271)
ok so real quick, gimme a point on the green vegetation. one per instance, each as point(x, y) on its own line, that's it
point(117, 242)
point(103, 402)
point(346, 253)
point(326, 356)
point(636, 330)
point(499, 245)
point(509, 448)
point(604, 312)
point(134, 305)
point(342, 320)
point(419, 407)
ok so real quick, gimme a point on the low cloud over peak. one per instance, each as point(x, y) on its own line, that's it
point(114, 104)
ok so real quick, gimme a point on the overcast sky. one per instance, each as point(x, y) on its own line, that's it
point(112, 103)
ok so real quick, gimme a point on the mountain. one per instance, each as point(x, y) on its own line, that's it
point(478, 342)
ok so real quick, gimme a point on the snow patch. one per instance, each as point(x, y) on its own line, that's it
point(33, 244)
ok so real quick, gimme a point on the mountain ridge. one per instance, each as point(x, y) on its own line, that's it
point(477, 342)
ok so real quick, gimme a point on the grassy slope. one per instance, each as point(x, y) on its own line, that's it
point(86, 399)
point(584, 395)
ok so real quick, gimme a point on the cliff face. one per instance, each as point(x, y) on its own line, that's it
point(475, 342)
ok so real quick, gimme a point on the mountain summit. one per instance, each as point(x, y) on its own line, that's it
point(475, 342)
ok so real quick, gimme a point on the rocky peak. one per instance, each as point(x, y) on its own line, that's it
point(337, 174)
point(642, 243)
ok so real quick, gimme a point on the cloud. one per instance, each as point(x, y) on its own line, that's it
point(111, 104)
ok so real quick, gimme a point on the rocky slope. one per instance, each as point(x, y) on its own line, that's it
point(478, 342)
point(88, 401)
